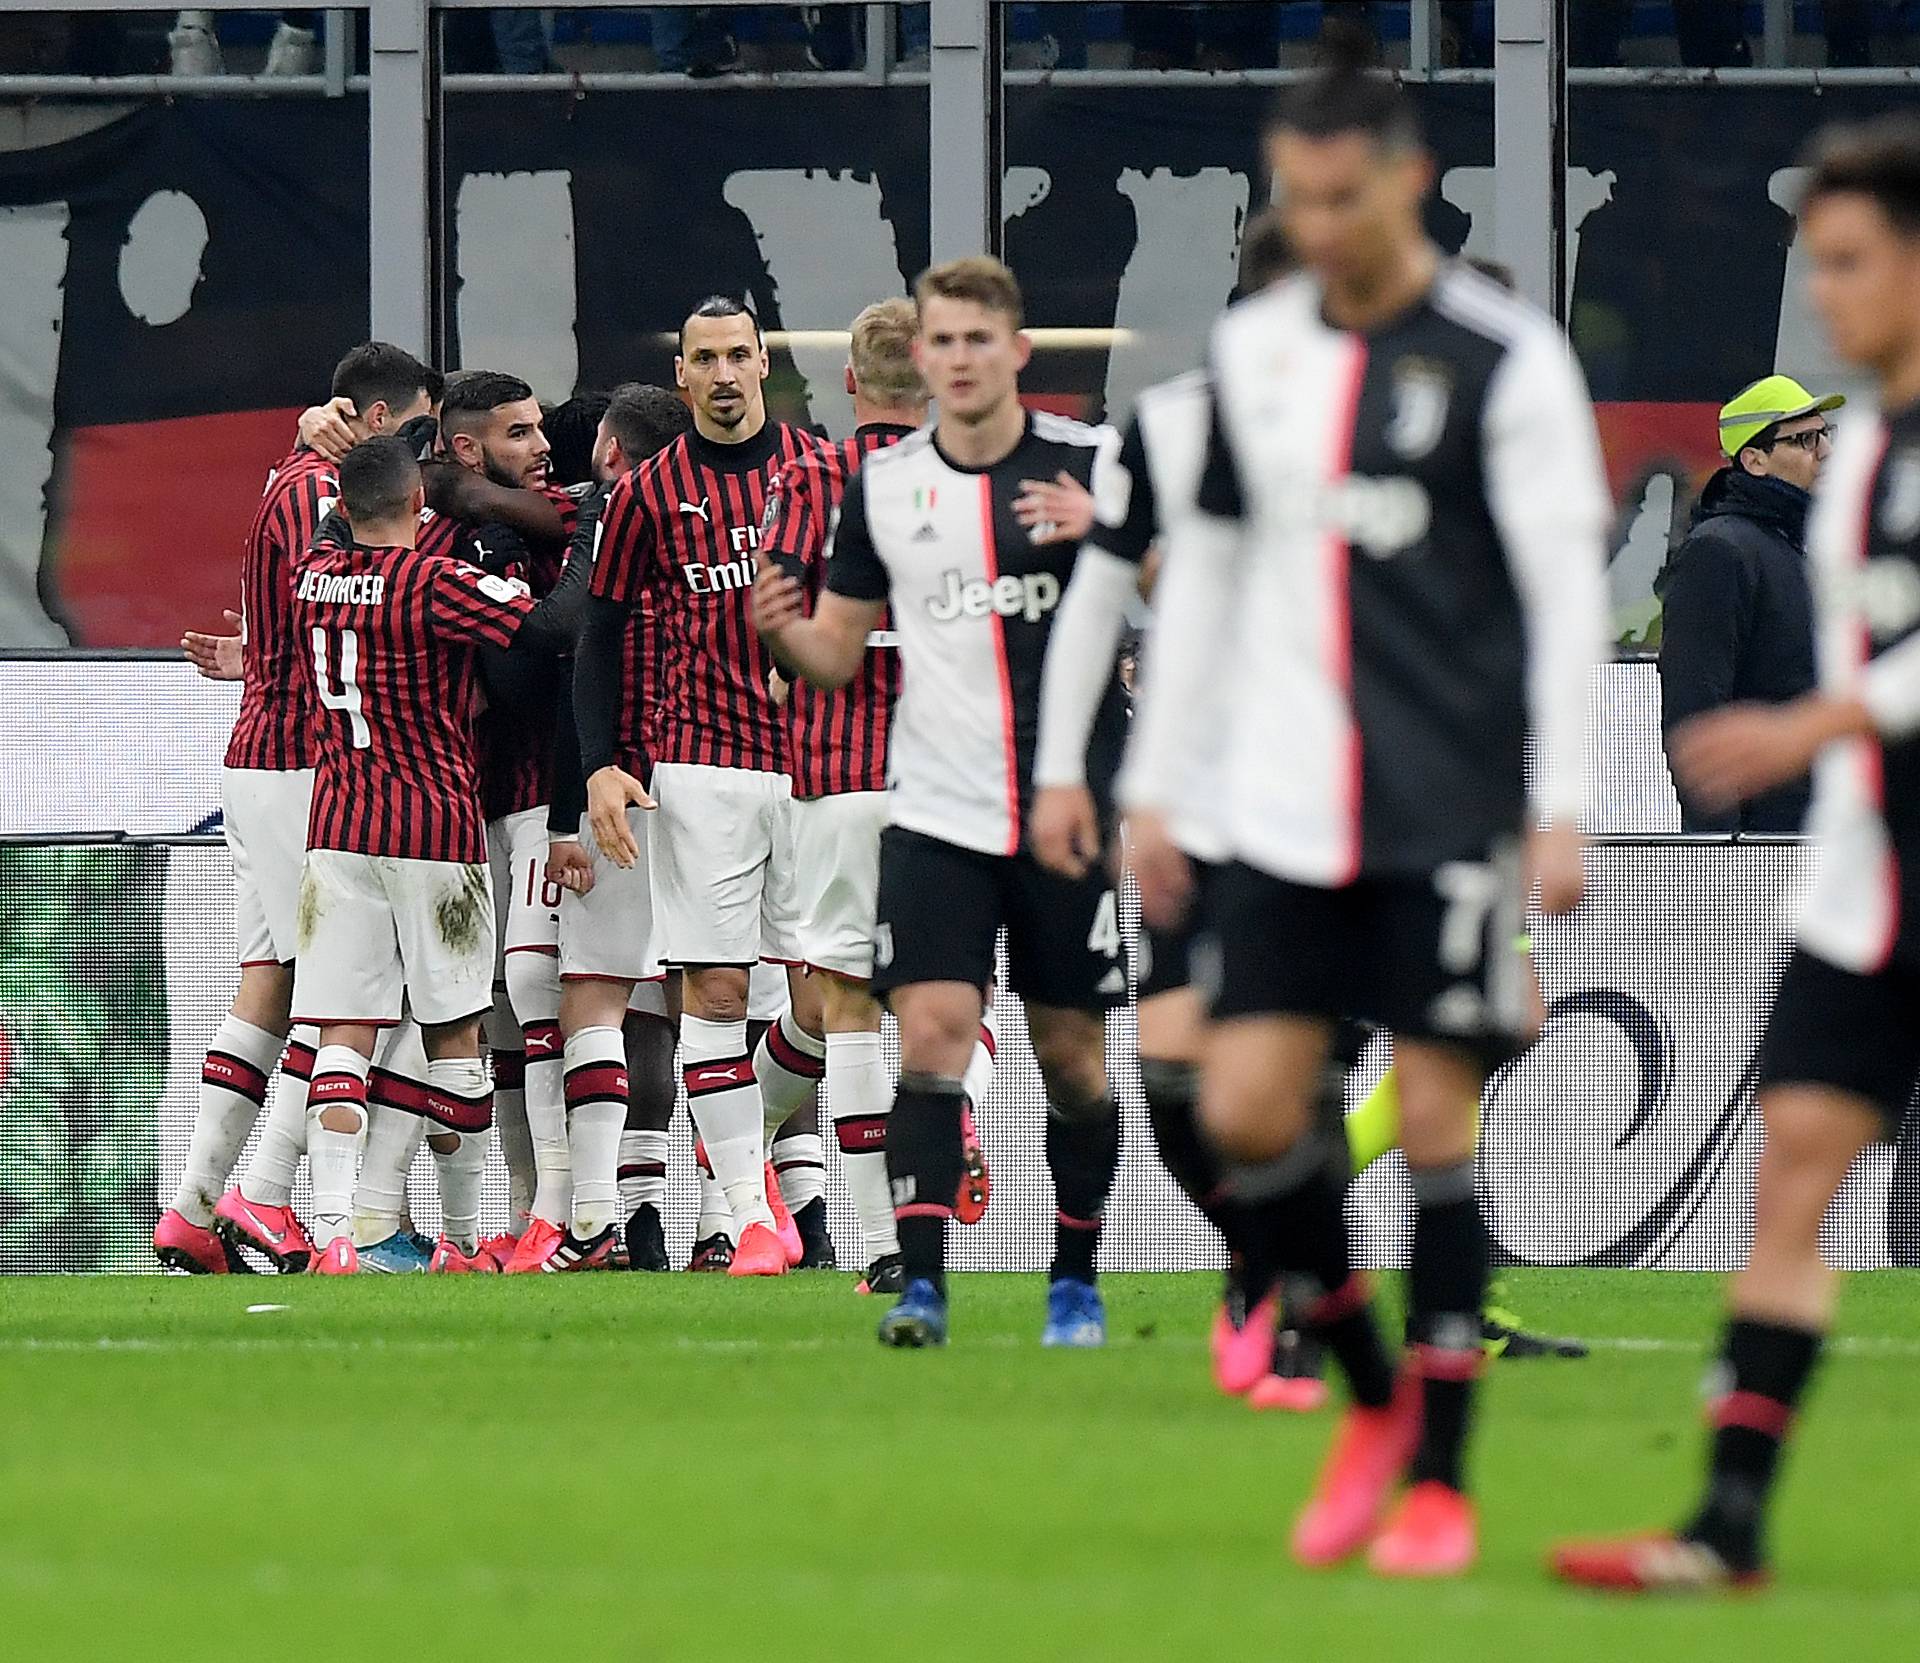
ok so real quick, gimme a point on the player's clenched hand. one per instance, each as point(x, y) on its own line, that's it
point(777, 599)
point(1065, 829)
point(569, 866)
point(778, 689)
point(1730, 754)
point(323, 427)
point(610, 791)
point(1554, 864)
point(217, 657)
point(1056, 511)
point(1165, 877)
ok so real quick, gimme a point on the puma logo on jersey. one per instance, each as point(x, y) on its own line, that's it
point(699, 509)
point(1030, 597)
point(716, 1076)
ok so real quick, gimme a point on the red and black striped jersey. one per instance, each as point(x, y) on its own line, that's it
point(516, 750)
point(390, 636)
point(680, 532)
point(638, 694)
point(837, 740)
point(274, 728)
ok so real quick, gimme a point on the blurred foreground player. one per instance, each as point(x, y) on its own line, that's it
point(1842, 1046)
point(1395, 574)
point(928, 530)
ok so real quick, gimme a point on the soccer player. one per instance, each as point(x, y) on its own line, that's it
point(491, 425)
point(838, 760)
point(1395, 574)
point(928, 528)
point(1842, 1045)
point(680, 531)
point(610, 970)
point(1151, 501)
point(266, 786)
point(396, 904)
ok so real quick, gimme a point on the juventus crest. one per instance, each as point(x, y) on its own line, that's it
point(1422, 390)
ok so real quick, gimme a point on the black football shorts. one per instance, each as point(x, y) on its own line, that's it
point(1853, 1033)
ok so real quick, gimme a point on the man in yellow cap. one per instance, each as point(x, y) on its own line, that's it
point(1738, 611)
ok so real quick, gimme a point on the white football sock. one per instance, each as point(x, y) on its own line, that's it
point(547, 1122)
point(596, 1115)
point(339, 1082)
point(463, 1082)
point(800, 1168)
point(788, 1064)
point(643, 1172)
point(233, 1085)
point(268, 1180)
point(716, 1217)
point(507, 1049)
point(725, 1102)
point(393, 1140)
point(860, 1094)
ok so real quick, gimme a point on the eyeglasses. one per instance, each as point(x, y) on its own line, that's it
point(1810, 441)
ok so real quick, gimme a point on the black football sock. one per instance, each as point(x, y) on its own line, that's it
point(1083, 1152)
point(1173, 1113)
point(1296, 1232)
point(1765, 1367)
point(1446, 1286)
point(924, 1166)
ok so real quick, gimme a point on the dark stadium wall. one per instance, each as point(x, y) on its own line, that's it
point(183, 278)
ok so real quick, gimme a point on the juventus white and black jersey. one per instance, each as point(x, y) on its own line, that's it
point(1397, 569)
point(972, 598)
point(1151, 502)
point(1862, 910)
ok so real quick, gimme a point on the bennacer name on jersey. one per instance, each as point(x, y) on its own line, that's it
point(1030, 597)
point(737, 573)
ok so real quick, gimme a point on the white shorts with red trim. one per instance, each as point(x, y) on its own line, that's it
point(837, 848)
point(264, 814)
point(526, 905)
point(721, 845)
point(608, 934)
point(380, 936)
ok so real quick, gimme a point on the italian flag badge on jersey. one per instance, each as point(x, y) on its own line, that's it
point(924, 498)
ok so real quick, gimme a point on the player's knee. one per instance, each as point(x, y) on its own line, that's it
point(848, 1006)
point(264, 997)
point(935, 1040)
point(1073, 1062)
point(1246, 1119)
point(443, 1143)
point(717, 995)
point(343, 1117)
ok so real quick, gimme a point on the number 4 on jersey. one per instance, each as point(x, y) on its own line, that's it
point(348, 698)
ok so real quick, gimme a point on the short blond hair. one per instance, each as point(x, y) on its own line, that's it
point(976, 277)
point(881, 353)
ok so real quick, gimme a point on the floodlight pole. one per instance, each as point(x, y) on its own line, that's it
point(1530, 146)
point(399, 159)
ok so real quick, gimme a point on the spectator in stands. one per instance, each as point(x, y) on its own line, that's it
point(1738, 620)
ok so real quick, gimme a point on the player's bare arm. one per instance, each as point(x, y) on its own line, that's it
point(1740, 750)
point(217, 657)
point(328, 428)
point(1057, 510)
point(825, 649)
point(569, 866)
point(464, 494)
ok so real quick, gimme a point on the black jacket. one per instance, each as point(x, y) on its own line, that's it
point(1738, 624)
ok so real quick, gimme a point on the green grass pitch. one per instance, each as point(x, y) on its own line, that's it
point(561, 1468)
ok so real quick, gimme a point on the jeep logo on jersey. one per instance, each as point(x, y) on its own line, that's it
point(1384, 517)
point(1421, 391)
point(1900, 506)
point(1886, 592)
point(1030, 597)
